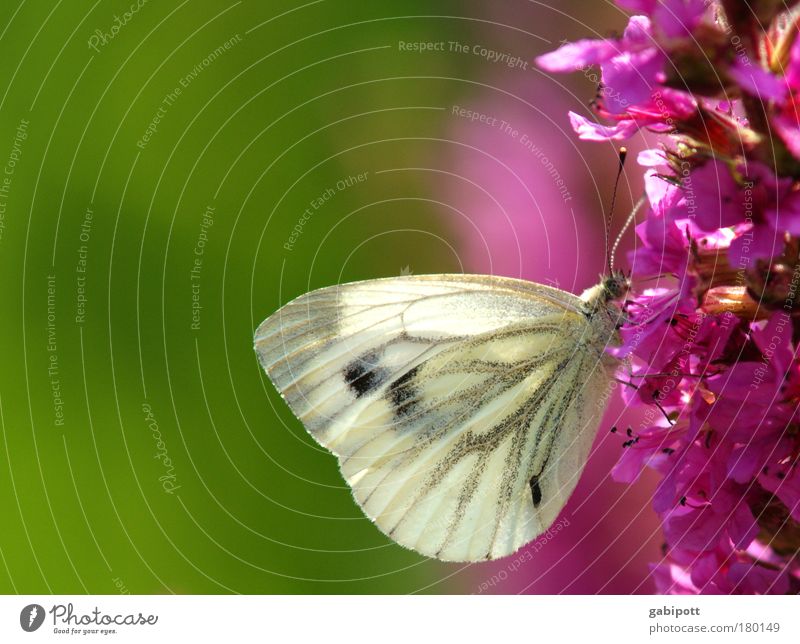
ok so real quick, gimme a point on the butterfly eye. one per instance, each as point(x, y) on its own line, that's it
point(617, 285)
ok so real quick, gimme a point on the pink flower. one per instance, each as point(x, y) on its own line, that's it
point(631, 66)
point(659, 323)
point(786, 486)
point(652, 447)
point(719, 573)
point(633, 94)
point(591, 131)
point(786, 119)
point(712, 344)
point(756, 408)
point(758, 81)
point(754, 571)
point(760, 206)
point(717, 200)
point(673, 18)
point(753, 396)
point(665, 243)
point(784, 91)
point(672, 579)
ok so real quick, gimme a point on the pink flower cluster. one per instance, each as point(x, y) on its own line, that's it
point(713, 341)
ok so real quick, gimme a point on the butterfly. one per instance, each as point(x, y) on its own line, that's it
point(462, 408)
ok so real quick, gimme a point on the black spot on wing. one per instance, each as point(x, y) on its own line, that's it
point(536, 492)
point(402, 393)
point(363, 375)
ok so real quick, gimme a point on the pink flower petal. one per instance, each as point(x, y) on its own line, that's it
point(678, 18)
point(758, 81)
point(788, 128)
point(591, 131)
point(577, 55)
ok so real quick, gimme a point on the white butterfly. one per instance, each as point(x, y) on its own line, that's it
point(462, 407)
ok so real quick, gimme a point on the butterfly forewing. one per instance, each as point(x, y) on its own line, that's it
point(462, 408)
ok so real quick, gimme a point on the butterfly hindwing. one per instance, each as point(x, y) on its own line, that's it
point(460, 407)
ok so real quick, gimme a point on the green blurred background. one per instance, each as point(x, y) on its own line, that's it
point(142, 449)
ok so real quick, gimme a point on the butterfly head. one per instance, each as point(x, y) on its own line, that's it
point(604, 298)
point(614, 286)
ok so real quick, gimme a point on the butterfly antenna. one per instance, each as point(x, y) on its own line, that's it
point(628, 221)
point(623, 153)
